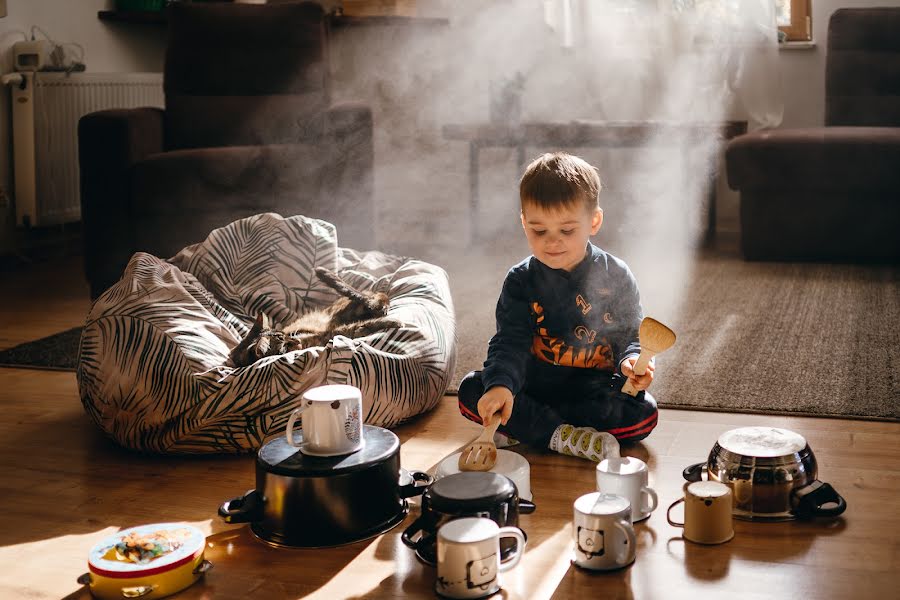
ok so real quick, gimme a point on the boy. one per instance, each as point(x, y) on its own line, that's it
point(567, 328)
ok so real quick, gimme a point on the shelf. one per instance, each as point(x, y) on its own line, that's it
point(337, 22)
point(342, 21)
point(152, 17)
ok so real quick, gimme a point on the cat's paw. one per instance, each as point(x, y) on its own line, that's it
point(391, 323)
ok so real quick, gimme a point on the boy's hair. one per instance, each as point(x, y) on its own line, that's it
point(558, 179)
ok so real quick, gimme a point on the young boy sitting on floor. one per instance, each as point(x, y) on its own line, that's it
point(567, 328)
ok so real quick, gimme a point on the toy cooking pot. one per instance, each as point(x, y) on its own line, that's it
point(305, 501)
point(150, 561)
point(466, 494)
point(772, 473)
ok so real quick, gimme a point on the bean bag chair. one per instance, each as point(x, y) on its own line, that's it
point(152, 366)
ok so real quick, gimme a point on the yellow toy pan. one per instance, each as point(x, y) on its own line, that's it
point(175, 562)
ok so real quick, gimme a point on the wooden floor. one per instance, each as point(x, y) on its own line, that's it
point(67, 487)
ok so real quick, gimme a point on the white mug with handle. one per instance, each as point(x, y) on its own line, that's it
point(603, 534)
point(628, 477)
point(468, 557)
point(331, 421)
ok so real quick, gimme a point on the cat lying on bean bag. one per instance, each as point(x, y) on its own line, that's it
point(155, 368)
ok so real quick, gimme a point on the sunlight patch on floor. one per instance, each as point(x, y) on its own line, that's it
point(70, 555)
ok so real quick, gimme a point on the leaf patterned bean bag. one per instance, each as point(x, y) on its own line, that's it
point(152, 368)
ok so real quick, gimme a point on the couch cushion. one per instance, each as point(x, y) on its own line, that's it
point(827, 158)
point(862, 73)
point(177, 194)
point(244, 74)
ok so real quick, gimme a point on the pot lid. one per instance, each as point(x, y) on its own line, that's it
point(513, 465)
point(762, 442)
point(279, 457)
point(146, 550)
point(622, 465)
point(470, 489)
point(707, 489)
point(598, 503)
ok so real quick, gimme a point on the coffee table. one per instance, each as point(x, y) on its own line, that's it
point(584, 133)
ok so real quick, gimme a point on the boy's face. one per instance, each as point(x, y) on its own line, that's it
point(558, 237)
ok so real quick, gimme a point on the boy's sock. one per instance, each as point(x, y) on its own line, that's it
point(585, 442)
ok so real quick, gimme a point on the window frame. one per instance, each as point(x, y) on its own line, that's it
point(800, 29)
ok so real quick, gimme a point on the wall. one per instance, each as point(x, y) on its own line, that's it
point(116, 47)
point(108, 48)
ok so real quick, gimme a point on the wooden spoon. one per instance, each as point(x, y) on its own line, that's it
point(655, 338)
point(481, 454)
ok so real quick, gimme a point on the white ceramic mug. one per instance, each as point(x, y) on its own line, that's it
point(628, 477)
point(707, 513)
point(332, 421)
point(468, 557)
point(604, 536)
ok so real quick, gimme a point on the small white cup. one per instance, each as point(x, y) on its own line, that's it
point(604, 536)
point(707, 512)
point(332, 421)
point(468, 557)
point(628, 477)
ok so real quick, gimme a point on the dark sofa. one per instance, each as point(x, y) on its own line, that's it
point(831, 193)
point(248, 127)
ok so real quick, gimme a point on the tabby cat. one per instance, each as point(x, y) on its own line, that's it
point(355, 314)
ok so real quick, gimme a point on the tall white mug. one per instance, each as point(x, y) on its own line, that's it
point(627, 476)
point(331, 421)
point(468, 557)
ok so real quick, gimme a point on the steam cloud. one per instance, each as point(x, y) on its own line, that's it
point(595, 60)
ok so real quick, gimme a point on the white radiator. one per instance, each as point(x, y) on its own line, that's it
point(45, 112)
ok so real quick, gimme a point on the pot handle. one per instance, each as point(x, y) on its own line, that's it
point(526, 507)
point(407, 536)
point(421, 480)
point(694, 472)
point(807, 502)
point(245, 509)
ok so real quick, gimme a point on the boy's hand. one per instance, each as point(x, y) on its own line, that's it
point(497, 399)
point(640, 382)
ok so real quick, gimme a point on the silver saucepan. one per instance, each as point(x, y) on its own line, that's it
point(772, 473)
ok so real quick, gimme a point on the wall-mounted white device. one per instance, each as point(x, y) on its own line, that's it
point(31, 55)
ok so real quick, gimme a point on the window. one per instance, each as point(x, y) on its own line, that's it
point(794, 19)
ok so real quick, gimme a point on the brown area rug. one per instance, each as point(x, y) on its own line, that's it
point(774, 338)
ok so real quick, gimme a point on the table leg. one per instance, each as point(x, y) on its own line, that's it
point(473, 190)
point(711, 207)
point(520, 159)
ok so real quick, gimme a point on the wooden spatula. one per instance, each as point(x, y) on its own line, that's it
point(655, 338)
point(481, 454)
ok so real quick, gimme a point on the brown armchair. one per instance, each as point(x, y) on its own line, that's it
point(832, 192)
point(248, 127)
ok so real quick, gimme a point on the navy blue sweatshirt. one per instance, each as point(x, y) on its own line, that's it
point(586, 318)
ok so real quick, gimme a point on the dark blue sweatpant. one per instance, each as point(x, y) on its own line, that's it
point(554, 395)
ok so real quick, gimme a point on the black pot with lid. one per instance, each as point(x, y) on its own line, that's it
point(466, 494)
point(310, 501)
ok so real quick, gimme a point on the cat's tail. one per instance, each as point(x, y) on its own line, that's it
point(334, 281)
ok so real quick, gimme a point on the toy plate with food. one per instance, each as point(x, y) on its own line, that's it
point(149, 561)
